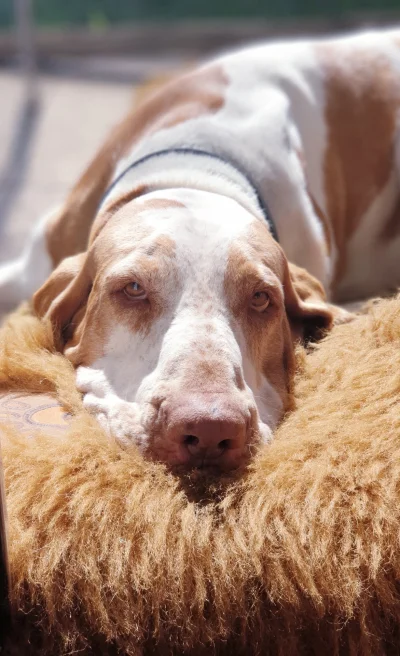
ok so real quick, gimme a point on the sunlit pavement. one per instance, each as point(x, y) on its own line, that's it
point(45, 146)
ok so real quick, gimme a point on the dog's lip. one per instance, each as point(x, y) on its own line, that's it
point(210, 470)
point(183, 462)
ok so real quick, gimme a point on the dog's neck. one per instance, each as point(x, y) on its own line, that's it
point(185, 168)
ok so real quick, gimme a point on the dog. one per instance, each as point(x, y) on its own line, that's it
point(217, 225)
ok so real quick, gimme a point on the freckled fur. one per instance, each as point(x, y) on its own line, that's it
point(183, 336)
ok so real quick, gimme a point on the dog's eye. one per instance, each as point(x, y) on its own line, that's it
point(260, 301)
point(134, 290)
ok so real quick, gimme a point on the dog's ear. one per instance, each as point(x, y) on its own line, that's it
point(310, 315)
point(63, 297)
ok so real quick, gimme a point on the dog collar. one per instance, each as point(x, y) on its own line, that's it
point(204, 153)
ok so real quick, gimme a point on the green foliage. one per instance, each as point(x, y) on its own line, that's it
point(100, 13)
point(6, 13)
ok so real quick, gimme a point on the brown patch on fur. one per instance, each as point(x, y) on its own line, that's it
point(185, 98)
point(68, 232)
point(111, 209)
point(148, 204)
point(163, 246)
point(102, 219)
point(324, 222)
point(107, 550)
point(162, 204)
point(297, 307)
point(207, 368)
point(66, 302)
point(188, 97)
point(317, 209)
point(76, 298)
point(63, 298)
point(362, 99)
point(391, 229)
point(267, 335)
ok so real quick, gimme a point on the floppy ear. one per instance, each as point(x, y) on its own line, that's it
point(64, 295)
point(309, 313)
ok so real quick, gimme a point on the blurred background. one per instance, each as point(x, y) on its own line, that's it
point(69, 69)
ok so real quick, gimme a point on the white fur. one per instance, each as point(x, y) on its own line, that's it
point(20, 278)
point(373, 264)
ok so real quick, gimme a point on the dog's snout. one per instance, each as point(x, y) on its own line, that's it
point(208, 431)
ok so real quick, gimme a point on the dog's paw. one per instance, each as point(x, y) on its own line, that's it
point(341, 315)
point(119, 419)
point(92, 381)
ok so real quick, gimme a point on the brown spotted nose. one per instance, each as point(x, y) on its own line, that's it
point(208, 431)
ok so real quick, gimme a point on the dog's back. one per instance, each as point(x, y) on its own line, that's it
point(312, 123)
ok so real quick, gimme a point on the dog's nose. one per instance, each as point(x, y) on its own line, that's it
point(209, 439)
point(209, 431)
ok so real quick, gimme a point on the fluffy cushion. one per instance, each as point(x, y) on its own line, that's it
point(110, 553)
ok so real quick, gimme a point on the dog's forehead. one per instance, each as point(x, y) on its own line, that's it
point(185, 213)
point(195, 224)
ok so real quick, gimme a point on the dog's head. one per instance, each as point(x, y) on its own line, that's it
point(181, 319)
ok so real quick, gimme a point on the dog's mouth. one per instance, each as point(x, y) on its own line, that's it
point(205, 468)
point(207, 485)
point(198, 467)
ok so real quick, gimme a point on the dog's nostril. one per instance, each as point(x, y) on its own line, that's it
point(224, 445)
point(191, 440)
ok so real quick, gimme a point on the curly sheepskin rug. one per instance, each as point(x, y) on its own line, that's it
point(111, 554)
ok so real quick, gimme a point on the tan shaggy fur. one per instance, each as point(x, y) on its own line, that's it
point(301, 555)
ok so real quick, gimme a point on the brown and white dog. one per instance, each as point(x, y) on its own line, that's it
point(169, 292)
